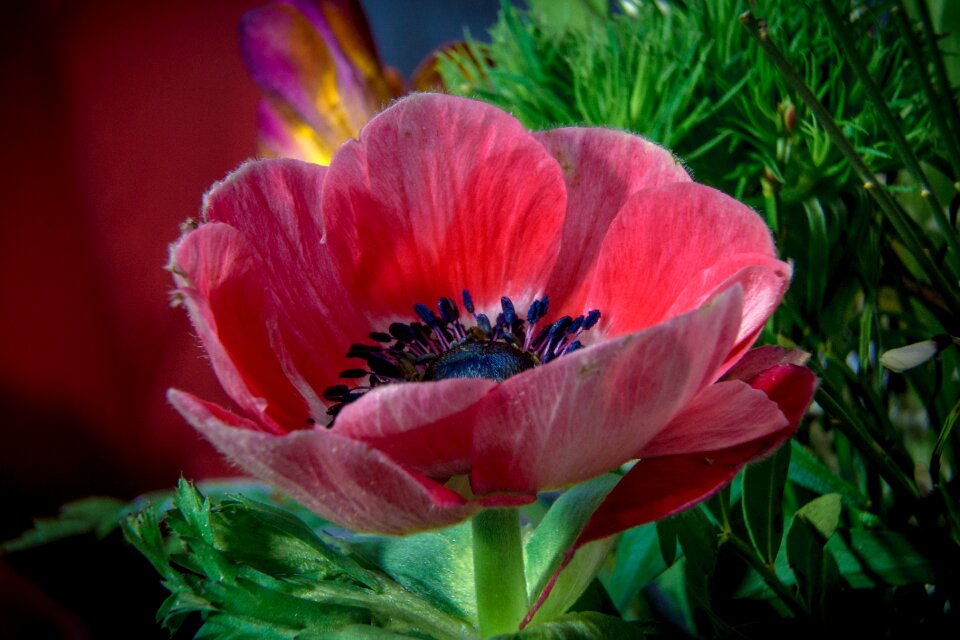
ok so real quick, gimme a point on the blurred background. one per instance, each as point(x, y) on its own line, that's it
point(116, 119)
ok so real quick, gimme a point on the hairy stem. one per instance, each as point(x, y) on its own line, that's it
point(498, 567)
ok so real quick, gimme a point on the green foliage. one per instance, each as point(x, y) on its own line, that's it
point(838, 122)
point(99, 515)
point(763, 485)
point(256, 571)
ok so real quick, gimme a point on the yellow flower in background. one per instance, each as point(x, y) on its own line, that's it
point(321, 75)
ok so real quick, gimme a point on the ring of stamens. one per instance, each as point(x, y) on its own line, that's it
point(440, 346)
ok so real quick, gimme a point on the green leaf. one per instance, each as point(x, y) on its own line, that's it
point(667, 537)
point(808, 472)
point(699, 539)
point(822, 513)
point(864, 556)
point(762, 502)
point(579, 626)
point(639, 561)
point(98, 515)
point(816, 570)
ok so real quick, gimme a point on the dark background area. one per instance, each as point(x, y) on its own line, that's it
point(116, 117)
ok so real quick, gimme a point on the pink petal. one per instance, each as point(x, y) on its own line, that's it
point(657, 487)
point(425, 426)
point(602, 168)
point(276, 205)
point(765, 279)
point(673, 247)
point(340, 479)
point(442, 194)
point(714, 420)
point(758, 360)
point(221, 283)
point(593, 409)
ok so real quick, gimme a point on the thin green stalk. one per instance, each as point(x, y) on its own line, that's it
point(945, 431)
point(901, 222)
point(943, 83)
point(934, 98)
point(865, 443)
point(746, 552)
point(842, 31)
point(498, 569)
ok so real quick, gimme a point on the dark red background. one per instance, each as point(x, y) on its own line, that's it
point(116, 117)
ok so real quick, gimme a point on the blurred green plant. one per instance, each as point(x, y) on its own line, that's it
point(837, 120)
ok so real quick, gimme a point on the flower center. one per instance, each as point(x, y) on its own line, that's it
point(480, 359)
point(442, 347)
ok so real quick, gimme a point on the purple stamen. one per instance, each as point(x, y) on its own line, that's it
point(441, 347)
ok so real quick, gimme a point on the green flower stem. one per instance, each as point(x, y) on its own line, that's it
point(498, 568)
point(902, 223)
point(841, 31)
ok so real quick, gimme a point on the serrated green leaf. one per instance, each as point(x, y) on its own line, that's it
point(762, 502)
point(257, 571)
point(97, 515)
point(579, 626)
point(437, 565)
point(284, 545)
point(365, 632)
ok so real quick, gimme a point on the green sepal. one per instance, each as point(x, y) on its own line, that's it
point(555, 536)
point(587, 625)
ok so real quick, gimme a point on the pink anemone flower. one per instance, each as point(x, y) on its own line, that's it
point(458, 313)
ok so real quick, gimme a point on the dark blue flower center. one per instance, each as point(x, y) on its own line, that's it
point(480, 359)
point(440, 347)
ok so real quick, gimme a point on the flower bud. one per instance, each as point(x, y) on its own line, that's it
point(913, 355)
